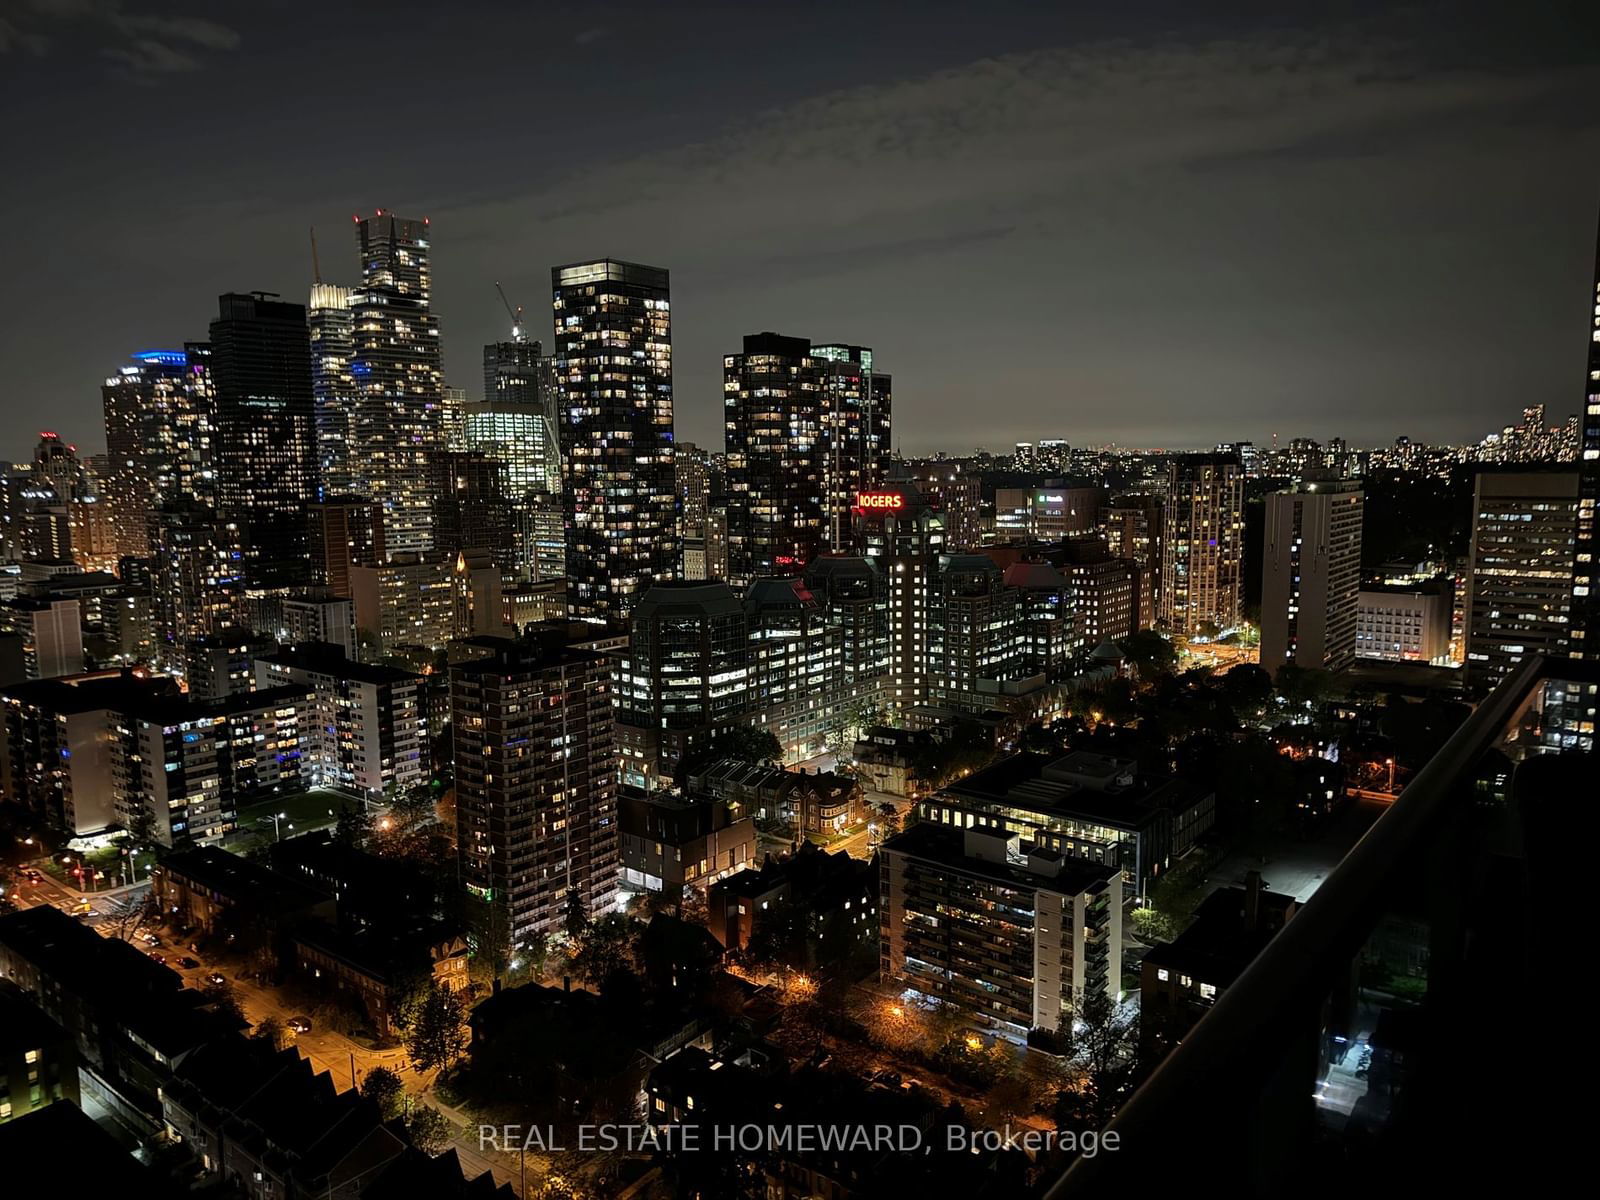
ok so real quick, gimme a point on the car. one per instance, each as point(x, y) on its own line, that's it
point(32, 876)
point(215, 977)
point(187, 963)
point(159, 957)
point(151, 939)
point(299, 1024)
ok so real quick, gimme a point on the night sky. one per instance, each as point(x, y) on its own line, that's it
point(1103, 222)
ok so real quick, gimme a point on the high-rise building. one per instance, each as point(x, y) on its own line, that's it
point(369, 729)
point(975, 637)
point(1584, 641)
point(1401, 623)
point(196, 580)
point(613, 350)
point(345, 532)
point(959, 495)
point(330, 326)
point(774, 409)
point(857, 431)
point(1311, 576)
point(472, 510)
point(266, 454)
point(699, 478)
point(796, 657)
point(1134, 531)
point(902, 536)
point(1013, 932)
point(1045, 514)
point(407, 601)
point(1520, 580)
point(1203, 544)
point(683, 678)
point(516, 425)
point(535, 777)
point(159, 427)
point(397, 375)
point(854, 598)
point(1105, 591)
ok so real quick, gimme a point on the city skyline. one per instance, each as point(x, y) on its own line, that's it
point(1032, 589)
point(1167, 279)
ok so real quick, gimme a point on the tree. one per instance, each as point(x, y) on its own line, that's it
point(142, 829)
point(1104, 1036)
point(435, 1027)
point(746, 743)
point(1149, 652)
point(271, 1031)
point(410, 808)
point(576, 918)
point(383, 1087)
point(608, 947)
point(1247, 688)
point(1172, 900)
point(1304, 686)
point(783, 934)
point(430, 1130)
point(353, 826)
point(221, 997)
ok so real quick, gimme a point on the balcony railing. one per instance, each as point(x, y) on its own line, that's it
point(1394, 1031)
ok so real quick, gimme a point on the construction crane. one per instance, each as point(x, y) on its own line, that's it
point(517, 334)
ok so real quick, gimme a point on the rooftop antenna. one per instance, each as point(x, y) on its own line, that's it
point(316, 267)
point(517, 334)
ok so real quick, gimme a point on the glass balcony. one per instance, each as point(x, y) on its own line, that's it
point(1409, 1025)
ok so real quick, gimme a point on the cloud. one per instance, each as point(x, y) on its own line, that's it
point(588, 37)
point(143, 45)
point(1130, 232)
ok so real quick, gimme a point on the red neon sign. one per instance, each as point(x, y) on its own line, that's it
point(880, 502)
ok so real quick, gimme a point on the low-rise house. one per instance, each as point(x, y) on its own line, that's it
point(670, 841)
point(840, 892)
point(1180, 980)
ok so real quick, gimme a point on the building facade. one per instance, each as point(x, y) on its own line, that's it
point(397, 375)
point(1014, 933)
point(266, 450)
point(613, 350)
point(1311, 576)
point(1203, 544)
point(536, 790)
point(1520, 579)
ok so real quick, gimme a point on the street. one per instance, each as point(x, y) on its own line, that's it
point(345, 1061)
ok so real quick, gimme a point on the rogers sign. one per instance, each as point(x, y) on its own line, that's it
point(867, 502)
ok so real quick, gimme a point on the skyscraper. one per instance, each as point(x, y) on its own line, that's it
point(471, 507)
point(1311, 576)
point(774, 409)
point(159, 425)
point(1585, 628)
point(1204, 542)
point(857, 430)
point(195, 576)
point(683, 679)
point(266, 457)
point(613, 349)
point(902, 537)
point(397, 376)
point(345, 532)
point(535, 776)
point(1520, 582)
point(515, 424)
point(330, 326)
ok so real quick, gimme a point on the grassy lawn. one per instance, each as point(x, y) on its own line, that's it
point(304, 810)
